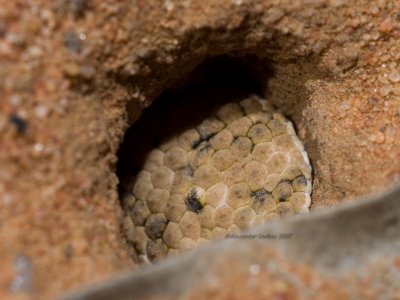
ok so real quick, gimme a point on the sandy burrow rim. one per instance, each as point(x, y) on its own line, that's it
point(180, 275)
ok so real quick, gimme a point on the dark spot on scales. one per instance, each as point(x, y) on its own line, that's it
point(260, 195)
point(188, 170)
point(200, 141)
point(155, 225)
point(300, 180)
point(283, 197)
point(193, 201)
point(284, 194)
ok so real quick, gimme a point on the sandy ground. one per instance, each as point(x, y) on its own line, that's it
point(74, 75)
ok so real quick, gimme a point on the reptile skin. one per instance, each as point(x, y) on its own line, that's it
point(236, 169)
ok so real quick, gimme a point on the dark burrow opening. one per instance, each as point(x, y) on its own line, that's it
point(216, 81)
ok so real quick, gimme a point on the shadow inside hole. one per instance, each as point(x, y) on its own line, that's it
point(215, 82)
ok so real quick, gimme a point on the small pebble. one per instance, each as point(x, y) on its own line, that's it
point(72, 42)
point(35, 51)
point(72, 69)
point(169, 5)
point(255, 269)
point(274, 15)
point(377, 138)
point(37, 150)
point(15, 100)
point(380, 138)
point(41, 111)
point(394, 76)
point(345, 105)
point(383, 78)
point(386, 26)
point(19, 123)
point(390, 133)
point(385, 90)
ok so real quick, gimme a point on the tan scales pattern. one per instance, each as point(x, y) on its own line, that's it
point(237, 169)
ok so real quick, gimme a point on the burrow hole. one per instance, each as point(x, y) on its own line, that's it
point(216, 81)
